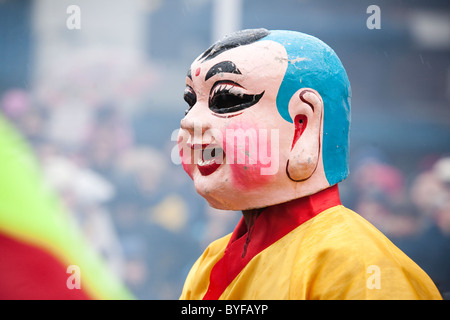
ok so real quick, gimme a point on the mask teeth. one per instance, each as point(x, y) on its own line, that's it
point(212, 154)
point(202, 162)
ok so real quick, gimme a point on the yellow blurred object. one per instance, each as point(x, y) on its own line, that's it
point(170, 213)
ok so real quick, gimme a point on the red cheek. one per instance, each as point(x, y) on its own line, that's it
point(248, 177)
point(247, 155)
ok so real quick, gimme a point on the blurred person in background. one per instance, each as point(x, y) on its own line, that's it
point(380, 194)
point(430, 192)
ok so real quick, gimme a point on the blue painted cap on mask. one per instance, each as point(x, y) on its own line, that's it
point(313, 64)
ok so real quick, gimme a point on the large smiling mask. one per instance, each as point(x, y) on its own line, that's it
point(268, 119)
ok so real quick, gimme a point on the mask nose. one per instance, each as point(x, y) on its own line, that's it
point(202, 127)
point(194, 119)
point(198, 127)
point(189, 125)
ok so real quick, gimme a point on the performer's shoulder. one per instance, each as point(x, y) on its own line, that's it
point(346, 227)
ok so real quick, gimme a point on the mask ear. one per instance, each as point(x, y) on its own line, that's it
point(306, 108)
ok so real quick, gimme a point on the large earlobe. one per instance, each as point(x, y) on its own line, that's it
point(306, 110)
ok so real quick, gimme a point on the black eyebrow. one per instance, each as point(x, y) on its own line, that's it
point(224, 66)
point(234, 40)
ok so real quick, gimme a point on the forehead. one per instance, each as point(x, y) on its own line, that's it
point(259, 58)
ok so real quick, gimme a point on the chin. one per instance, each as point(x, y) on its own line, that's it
point(223, 191)
point(215, 192)
point(226, 197)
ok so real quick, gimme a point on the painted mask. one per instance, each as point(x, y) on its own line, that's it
point(267, 120)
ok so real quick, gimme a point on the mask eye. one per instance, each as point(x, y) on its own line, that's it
point(228, 96)
point(190, 97)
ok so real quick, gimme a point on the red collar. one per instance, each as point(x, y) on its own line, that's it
point(272, 224)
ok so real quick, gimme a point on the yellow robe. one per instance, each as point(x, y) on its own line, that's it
point(331, 254)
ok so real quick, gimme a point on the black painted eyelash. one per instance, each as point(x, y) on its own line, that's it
point(222, 89)
point(224, 100)
point(190, 97)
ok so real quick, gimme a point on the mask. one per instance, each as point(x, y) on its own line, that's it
point(267, 120)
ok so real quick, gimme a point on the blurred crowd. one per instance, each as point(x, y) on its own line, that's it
point(141, 213)
point(135, 206)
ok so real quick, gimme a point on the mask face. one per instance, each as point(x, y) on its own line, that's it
point(234, 144)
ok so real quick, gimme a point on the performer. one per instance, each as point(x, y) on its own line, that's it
point(266, 133)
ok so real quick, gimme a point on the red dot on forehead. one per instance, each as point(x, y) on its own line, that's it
point(197, 72)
